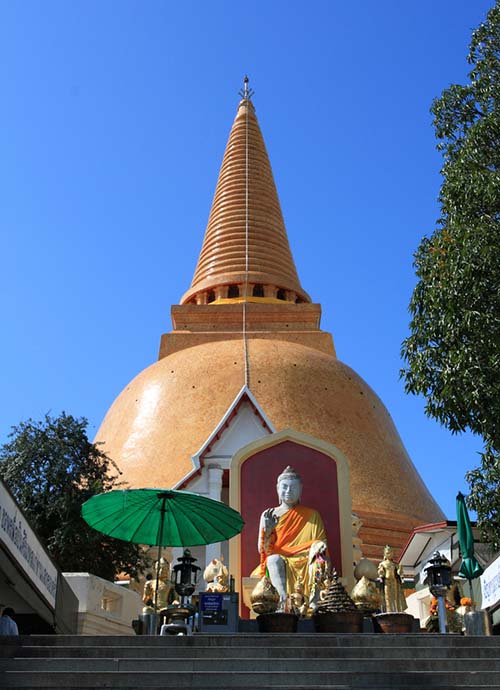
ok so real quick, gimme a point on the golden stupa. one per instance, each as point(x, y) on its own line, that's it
point(247, 321)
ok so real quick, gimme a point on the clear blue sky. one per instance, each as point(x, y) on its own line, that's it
point(114, 120)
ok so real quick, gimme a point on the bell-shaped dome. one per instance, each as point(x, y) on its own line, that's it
point(167, 412)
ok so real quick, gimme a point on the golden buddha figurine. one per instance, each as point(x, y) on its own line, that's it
point(288, 535)
point(298, 603)
point(216, 576)
point(326, 586)
point(164, 586)
point(319, 569)
point(391, 574)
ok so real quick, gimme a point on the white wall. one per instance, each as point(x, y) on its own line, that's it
point(103, 607)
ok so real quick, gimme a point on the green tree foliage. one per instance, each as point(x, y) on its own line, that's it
point(452, 355)
point(52, 468)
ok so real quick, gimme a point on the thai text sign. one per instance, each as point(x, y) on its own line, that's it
point(210, 602)
point(22, 543)
point(490, 584)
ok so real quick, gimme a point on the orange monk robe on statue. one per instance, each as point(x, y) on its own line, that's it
point(293, 536)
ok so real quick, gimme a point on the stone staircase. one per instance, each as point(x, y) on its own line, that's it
point(252, 662)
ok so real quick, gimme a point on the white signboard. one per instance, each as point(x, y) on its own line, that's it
point(490, 584)
point(21, 541)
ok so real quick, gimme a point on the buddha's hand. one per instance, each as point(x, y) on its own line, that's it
point(270, 521)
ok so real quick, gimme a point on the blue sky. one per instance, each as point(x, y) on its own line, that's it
point(114, 121)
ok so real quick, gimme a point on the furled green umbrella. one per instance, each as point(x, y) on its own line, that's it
point(161, 517)
point(470, 568)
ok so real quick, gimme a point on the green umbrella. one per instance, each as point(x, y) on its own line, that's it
point(161, 517)
point(470, 568)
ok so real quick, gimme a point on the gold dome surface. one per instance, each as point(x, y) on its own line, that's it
point(169, 410)
point(223, 258)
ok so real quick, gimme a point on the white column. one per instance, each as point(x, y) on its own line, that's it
point(214, 473)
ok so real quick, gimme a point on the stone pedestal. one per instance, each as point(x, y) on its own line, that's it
point(341, 622)
point(277, 622)
point(477, 623)
point(393, 623)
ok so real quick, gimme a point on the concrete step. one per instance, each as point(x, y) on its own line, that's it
point(256, 679)
point(287, 686)
point(251, 662)
point(169, 651)
point(429, 640)
point(249, 687)
point(243, 665)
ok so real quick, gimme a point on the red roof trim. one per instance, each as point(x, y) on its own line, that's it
point(426, 528)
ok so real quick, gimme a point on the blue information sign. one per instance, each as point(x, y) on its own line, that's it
point(210, 602)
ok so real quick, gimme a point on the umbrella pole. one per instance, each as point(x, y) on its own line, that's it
point(160, 539)
point(471, 595)
point(157, 578)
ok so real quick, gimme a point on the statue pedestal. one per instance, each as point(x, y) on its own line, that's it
point(477, 623)
point(177, 618)
point(393, 623)
point(338, 622)
point(149, 623)
point(277, 622)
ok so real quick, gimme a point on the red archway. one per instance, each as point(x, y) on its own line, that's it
point(258, 474)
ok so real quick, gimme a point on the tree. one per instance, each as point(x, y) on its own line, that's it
point(52, 468)
point(452, 355)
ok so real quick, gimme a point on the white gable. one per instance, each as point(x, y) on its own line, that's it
point(246, 426)
point(243, 422)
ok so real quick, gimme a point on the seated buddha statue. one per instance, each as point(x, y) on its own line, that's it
point(288, 539)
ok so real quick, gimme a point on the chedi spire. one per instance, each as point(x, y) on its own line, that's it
point(245, 253)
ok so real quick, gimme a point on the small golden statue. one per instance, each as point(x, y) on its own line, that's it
point(319, 569)
point(216, 576)
point(164, 587)
point(391, 575)
point(327, 583)
point(298, 603)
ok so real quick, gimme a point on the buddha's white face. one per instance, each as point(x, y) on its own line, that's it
point(289, 490)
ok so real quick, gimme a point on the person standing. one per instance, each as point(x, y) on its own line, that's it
point(8, 626)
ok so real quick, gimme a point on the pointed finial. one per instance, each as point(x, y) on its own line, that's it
point(245, 92)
